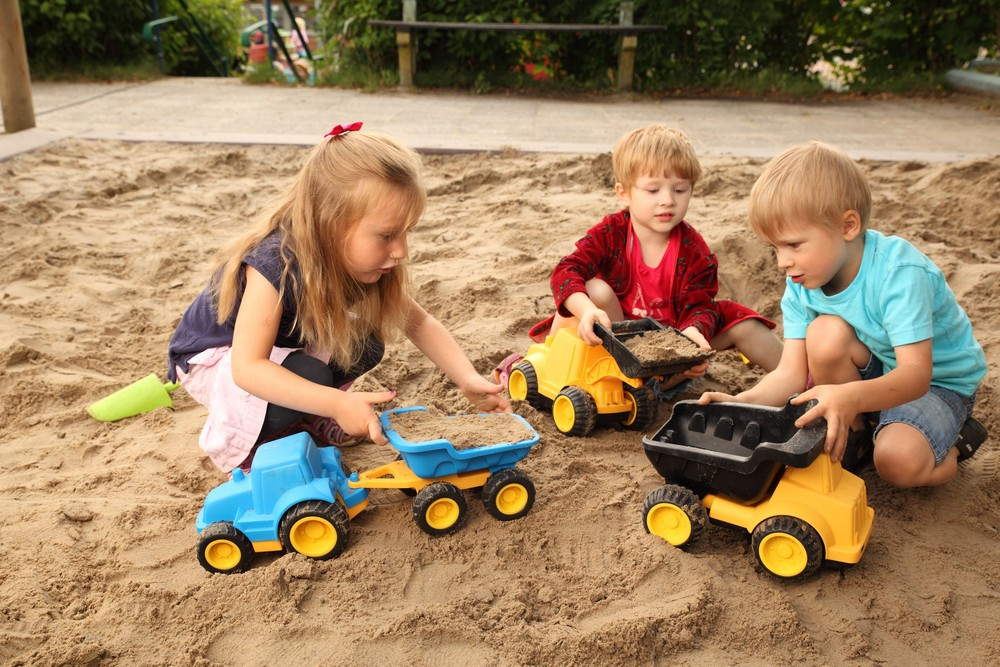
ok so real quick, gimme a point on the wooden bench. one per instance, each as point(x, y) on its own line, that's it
point(406, 43)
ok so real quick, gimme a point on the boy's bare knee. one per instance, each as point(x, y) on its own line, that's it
point(830, 340)
point(828, 332)
point(896, 470)
point(902, 457)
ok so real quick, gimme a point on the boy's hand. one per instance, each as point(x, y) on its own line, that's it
point(695, 371)
point(697, 337)
point(586, 327)
point(838, 405)
point(485, 395)
point(356, 414)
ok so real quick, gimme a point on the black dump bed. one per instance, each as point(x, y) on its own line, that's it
point(614, 342)
point(732, 448)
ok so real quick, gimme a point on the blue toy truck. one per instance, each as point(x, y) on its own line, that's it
point(299, 497)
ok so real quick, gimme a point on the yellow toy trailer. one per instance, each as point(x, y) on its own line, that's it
point(749, 467)
point(582, 383)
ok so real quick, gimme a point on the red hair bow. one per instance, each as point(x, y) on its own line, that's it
point(340, 130)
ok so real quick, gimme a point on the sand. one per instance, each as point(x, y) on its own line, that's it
point(105, 244)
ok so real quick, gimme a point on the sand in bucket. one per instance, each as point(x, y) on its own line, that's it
point(139, 397)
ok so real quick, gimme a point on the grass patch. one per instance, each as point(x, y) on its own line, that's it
point(141, 69)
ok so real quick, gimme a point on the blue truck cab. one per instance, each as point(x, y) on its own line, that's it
point(297, 497)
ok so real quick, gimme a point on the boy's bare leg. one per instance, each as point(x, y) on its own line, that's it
point(835, 355)
point(603, 297)
point(754, 341)
point(904, 458)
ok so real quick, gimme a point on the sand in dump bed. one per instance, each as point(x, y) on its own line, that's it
point(663, 346)
point(462, 431)
point(105, 244)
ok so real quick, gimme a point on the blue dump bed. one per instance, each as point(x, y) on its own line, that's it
point(438, 458)
point(732, 449)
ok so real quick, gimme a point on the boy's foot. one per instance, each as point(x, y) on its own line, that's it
point(972, 435)
point(860, 446)
point(501, 374)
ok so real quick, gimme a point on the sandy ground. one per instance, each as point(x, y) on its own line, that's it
point(105, 244)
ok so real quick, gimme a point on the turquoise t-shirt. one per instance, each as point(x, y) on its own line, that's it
point(898, 297)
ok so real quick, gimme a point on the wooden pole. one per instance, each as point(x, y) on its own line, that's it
point(407, 47)
point(626, 56)
point(15, 82)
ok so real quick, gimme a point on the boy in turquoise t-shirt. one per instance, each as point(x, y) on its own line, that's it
point(872, 330)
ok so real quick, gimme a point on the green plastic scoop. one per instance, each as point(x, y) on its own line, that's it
point(137, 398)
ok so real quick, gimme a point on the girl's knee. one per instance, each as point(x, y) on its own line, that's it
point(309, 367)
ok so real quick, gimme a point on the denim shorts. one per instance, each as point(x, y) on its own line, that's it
point(938, 415)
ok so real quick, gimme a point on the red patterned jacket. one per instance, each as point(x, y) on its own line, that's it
point(601, 253)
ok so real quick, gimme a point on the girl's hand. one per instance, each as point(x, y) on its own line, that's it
point(586, 327)
point(485, 395)
point(718, 397)
point(356, 414)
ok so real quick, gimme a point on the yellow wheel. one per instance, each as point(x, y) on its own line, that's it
point(574, 411)
point(315, 528)
point(312, 536)
point(439, 508)
point(787, 547)
point(224, 549)
point(522, 385)
point(508, 494)
point(674, 514)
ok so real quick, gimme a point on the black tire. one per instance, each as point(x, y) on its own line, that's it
point(675, 514)
point(224, 549)
point(439, 509)
point(644, 411)
point(787, 547)
point(574, 411)
point(315, 528)
point(522, 385)
point(508, 494)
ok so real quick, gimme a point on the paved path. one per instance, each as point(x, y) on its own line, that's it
point(227, 110)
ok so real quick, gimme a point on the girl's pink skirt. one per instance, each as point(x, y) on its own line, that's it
point(235, 416)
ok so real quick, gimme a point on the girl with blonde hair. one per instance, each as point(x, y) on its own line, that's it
point(301, 306)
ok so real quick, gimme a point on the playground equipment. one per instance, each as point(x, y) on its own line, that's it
point(192, 27)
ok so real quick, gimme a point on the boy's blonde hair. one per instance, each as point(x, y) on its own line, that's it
point(654, 150)
point(343, 179)
point(813, 183)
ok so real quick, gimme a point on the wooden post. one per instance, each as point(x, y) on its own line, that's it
point(406, 43)
point(15, 81)
point(626, 56)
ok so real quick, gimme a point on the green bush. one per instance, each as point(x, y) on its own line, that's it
point(910, 41)
point(71, 36)
point(63, 34)
point(743, 44)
